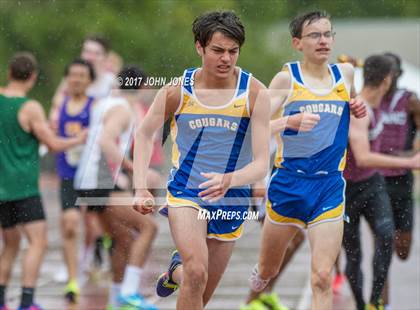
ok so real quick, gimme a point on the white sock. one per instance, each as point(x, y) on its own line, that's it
point(114, 291)
point(257, 284)
point(131, 282)
point(87, 258)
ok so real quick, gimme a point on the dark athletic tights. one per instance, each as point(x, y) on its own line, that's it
point(369, 199)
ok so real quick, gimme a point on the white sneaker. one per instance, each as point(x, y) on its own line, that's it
point(257, 284)
point(61, 275)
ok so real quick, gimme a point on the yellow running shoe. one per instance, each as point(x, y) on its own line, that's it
point(272, 301)
point(71, 292)
point(254, 305)
point(373, 307)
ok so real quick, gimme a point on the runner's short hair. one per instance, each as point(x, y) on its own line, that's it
point(226, 22)
point(376, 69)
point(22, 66)
point(104, 42)
point(81, 62)
point(297, 24)
point(397, 62)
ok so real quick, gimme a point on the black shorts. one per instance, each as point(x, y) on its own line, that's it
point(95, 199)
point(68, 195)
point(400, 191)
point(22, 211)
point(369, 198)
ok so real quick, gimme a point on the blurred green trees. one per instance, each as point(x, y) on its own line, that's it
point(157, 34)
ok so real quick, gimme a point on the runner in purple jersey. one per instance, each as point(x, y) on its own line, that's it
point(366, 190)
point(94, 49)
point(401, 119)
point(74, 115)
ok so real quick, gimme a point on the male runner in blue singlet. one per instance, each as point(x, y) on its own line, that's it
point(220, 133)
point(307, 189)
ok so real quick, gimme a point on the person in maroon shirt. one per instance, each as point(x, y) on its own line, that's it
point(400, 110)
point(366, 190)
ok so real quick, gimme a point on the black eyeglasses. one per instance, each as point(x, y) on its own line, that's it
point(319, 35)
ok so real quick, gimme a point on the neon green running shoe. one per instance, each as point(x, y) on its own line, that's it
point(272, 301)
point(106, 242)
point(256, 304)
point(72, 291)
point(373, 307)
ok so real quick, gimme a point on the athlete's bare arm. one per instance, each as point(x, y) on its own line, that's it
point(163, 107)
point(347, 70)
point(359, 142)
point(115, 122)
point(357, 106)
point(56, 102)
point(414, 109)
point(32, 119)
point(278, 90)
point(218, 184)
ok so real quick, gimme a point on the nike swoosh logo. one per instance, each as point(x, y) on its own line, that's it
point(238, 106)
point(234, 227)
point(340, 90)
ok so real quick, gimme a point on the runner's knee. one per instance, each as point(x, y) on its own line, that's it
point(321, 279)
point(195, 274)
point(70, 225)
point(385, 235)
point(38, 240)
